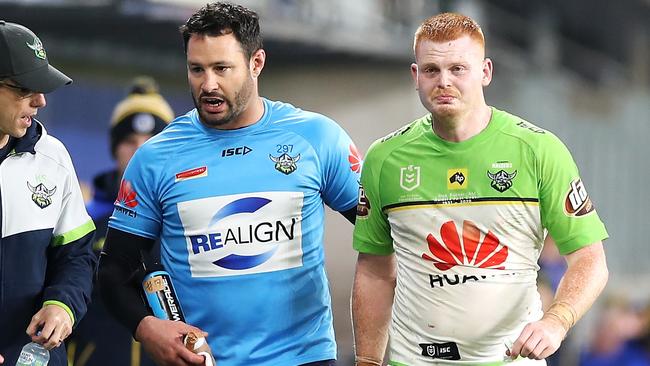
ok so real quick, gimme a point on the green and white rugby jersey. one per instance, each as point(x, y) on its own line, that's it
point(467, 222)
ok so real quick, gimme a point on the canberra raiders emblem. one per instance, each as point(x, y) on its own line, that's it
point(37, 46)
point(41, 195)
point(285, 163)
point(501, 180)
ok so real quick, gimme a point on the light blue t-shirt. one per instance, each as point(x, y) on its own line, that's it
point(239, 214)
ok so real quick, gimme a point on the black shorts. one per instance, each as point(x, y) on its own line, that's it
point(321, 363)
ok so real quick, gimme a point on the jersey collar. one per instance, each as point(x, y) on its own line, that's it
point(31, 137)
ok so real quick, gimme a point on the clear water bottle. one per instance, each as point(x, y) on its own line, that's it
point(33, 354)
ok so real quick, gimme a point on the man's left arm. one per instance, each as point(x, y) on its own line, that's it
point(67, 291)
point(71, 265)
point(583, 281)
point(341, 168)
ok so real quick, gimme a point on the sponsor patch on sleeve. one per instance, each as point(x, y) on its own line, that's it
point(577, 202)
point(126, 199)
point(355, 159)
point(363, 204)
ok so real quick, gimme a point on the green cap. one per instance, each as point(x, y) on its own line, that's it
point(23, 60)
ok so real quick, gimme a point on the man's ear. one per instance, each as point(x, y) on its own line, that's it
point(487, 71)
point(257, 61)
point(414, 74)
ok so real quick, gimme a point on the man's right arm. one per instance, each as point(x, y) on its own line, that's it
point(372, 302)
point(119, 275)
point(119, 284)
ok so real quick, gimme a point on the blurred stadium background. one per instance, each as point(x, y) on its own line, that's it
point(578, 68)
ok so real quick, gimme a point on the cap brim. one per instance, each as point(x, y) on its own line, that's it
point(43, 80)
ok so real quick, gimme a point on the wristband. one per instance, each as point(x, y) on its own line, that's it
point(564, 312)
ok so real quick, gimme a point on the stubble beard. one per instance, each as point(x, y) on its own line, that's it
point(242, 97)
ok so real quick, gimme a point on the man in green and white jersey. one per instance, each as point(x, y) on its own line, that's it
point(452, 216)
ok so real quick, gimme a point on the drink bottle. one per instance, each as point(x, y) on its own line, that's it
point(33, 354)
point(160, 295)
point(163, 302)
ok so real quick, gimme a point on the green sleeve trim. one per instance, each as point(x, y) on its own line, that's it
point(74, 234)
point(369, 248)
point(60, 304)
point(570, 247)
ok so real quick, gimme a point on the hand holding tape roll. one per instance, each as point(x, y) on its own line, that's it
point(199, 345)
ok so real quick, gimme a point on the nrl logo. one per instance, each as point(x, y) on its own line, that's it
point(501, 180)
point(284, 163)
point(37, 46)
point(41, 195)
point(431, 350)
point(409, 177)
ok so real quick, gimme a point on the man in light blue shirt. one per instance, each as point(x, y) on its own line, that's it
point(234, 190)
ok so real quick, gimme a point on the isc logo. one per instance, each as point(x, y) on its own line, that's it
point(242, 150)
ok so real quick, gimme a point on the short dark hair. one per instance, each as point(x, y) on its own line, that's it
point(223, 18)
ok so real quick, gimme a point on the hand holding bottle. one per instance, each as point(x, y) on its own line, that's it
point(163, 335)
point(50, 326)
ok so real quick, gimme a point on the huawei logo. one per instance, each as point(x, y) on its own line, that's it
point(355, 159)
point(467, 250)
point(126, 196)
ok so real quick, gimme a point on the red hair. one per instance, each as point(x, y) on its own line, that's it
point(448, 27)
